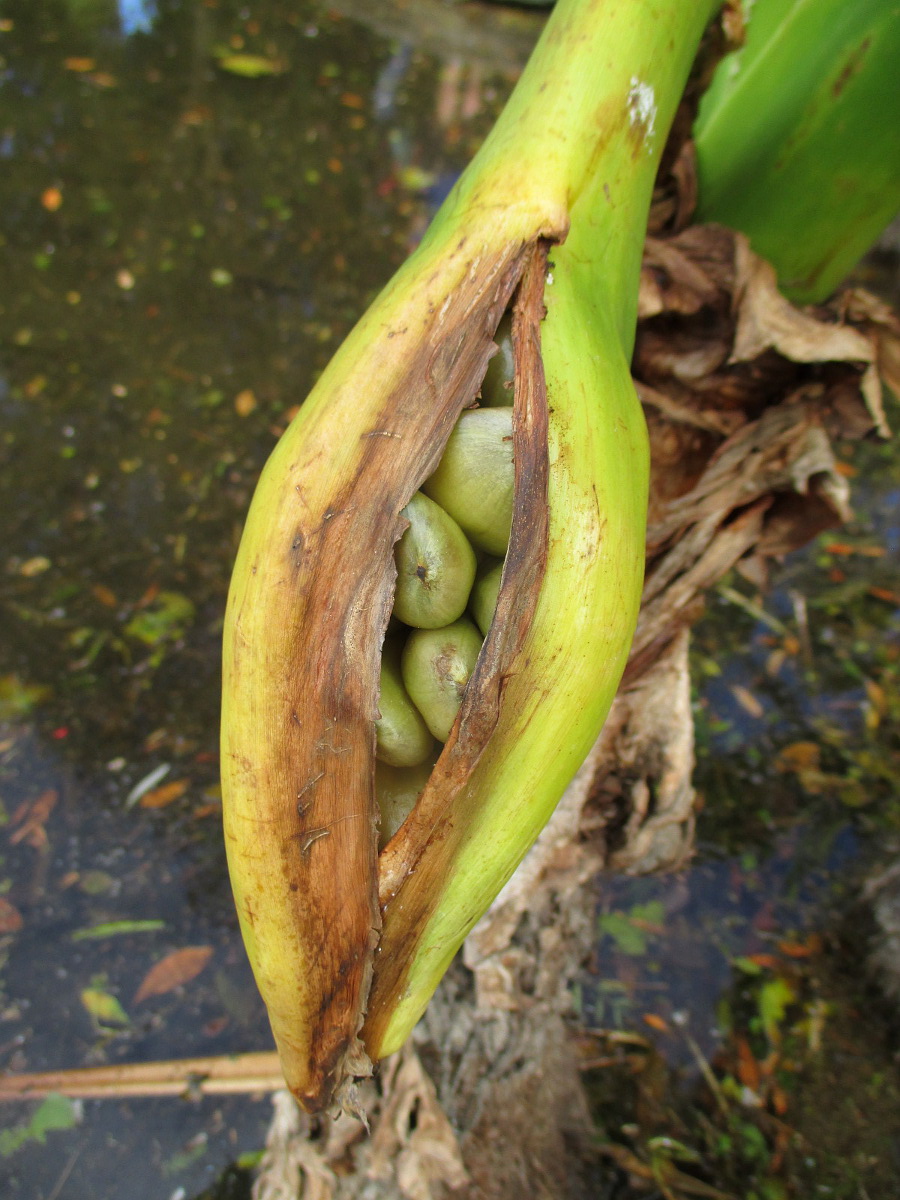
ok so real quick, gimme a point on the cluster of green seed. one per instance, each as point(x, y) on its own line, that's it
point(449, 562)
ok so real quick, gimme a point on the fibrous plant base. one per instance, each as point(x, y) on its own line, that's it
point(745, 397)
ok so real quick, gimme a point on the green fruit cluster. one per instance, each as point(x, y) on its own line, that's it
point(449, 563)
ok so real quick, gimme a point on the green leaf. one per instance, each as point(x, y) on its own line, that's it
point(104, 1007)
point(626, 928)
point(17, 699)
point(671, 1148)
point(114, 928)
point(796, 137)
point(186, 1158)
point(167, 620)
point(652, 913)
point(628, 938)
point(747, 965)
point(249, 1159)
point(54, 1112)
point(774, 997)
point(416, 179)
point(96, 883)
point(249, 66)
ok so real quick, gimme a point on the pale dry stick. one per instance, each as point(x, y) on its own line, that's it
point(215, 1076)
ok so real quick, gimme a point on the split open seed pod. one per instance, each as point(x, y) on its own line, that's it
point(347, 944)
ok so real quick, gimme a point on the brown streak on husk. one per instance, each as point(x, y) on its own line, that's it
point(325, 630)
point(433, 818)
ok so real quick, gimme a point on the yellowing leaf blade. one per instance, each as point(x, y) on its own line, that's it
point(104, 1007)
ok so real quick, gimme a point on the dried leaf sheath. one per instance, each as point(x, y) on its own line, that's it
point(298, 737)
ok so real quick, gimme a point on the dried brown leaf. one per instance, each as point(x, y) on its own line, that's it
point(293, 1164)
point(177, 968)
point(747, 701)
point(879, 322)
point(161, 796)
point(414, 1138)
point(31, 819)
point(767, 320)
point(10, 917)
point(672, 282)
point(748, 1070)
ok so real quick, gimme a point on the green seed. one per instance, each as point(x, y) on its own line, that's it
point(474, 480)
point(398, 789)
point(483, 600)
point(435, 567)
point(497, 388)
point(401, 737)
point(436, 666)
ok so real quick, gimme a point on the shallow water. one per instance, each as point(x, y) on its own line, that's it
point(198, 200)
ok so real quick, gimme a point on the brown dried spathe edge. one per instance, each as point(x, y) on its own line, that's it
point(434, 818)
point(327, 618)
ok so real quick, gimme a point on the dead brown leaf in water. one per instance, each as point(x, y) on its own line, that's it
point(10, 917)
point(245, 402)
point(177, 968)
point(31, 817)
point(51, 199)
point(161, 796)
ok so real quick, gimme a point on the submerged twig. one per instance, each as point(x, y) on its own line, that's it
point(223, 1074)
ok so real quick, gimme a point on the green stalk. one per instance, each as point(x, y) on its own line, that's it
point(572, 159)
point(798, 137)
point(618, 72)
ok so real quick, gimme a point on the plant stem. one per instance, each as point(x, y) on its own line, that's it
point(610, 77)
